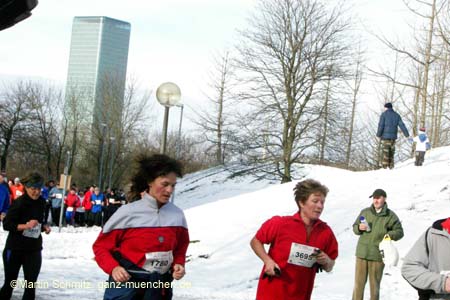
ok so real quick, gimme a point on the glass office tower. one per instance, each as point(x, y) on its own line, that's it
point(97, 68)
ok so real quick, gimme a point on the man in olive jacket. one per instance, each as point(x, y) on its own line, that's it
point(378, 221)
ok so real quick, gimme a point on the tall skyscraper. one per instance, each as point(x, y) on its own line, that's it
point(97, 69)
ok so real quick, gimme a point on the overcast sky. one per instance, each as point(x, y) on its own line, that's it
point(171, 40)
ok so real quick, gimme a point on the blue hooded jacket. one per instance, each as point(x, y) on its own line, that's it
point(387, 126)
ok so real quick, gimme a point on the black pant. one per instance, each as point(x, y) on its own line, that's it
point(48, 206)
point(420, 158)
point(79, 218)
point(12, 261)
point(97, 218)
point(56, 212)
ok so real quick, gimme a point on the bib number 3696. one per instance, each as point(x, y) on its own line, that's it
point(302, 255)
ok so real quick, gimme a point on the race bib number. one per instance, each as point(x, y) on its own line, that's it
point(34, 232)
point(59, 196)
point(158, 261)
point(69, 208)
point(18, 193)
point(111, 200)
point(302, 255)
point(98, 202)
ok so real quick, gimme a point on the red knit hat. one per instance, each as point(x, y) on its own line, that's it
point(446, 225)
point(422, 129)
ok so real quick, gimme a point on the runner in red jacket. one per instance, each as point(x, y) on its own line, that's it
point(147, 239)
point(300, 246)
point(72, 201)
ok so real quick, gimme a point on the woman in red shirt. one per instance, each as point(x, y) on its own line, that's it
point(300, 246)
point(146, 240)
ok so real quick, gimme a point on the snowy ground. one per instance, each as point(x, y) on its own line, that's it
point(223, 229)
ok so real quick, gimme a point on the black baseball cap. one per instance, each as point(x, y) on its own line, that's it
point(378, 193)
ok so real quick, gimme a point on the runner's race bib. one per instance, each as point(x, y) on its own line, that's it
point(302, 255)
point(69, 208)
point(18, 193)
point(158, 261)
point(112, 200)
point(98, 202)
point(34, 232)
point(58, 196)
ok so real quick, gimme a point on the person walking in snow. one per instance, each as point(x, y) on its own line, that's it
point(427, 264)
point(300, 246)
point(371, 225)
point(387, 132)
point(146, 240)
point(422, 145)
point(25, 222)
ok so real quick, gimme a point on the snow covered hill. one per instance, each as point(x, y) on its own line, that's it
point(224, 228)
point(222, 265)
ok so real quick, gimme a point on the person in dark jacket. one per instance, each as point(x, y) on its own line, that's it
point(387, 132)
point(371, 225)
point(4, 197)
point(25, 222)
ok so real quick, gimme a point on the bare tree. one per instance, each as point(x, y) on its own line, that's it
point(284, 55)
point(213, 119)
point(14, 110)
point(119, 125)
point(355, 86)
point(45, 119)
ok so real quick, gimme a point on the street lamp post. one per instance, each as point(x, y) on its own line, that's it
point(102, 148)
point(66, 175)
point(112, 139)
point(179, 132)
point(168, 94)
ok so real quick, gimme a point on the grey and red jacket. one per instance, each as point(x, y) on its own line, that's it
point(139, 228)
point(428, 270)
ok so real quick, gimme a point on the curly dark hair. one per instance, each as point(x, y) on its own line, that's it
point(150, 168)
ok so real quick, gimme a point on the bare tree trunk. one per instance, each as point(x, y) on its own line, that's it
point(325, 121)
point(427, 64)
point(213, 119)
point(435, 139)
point(223, 81)
point(355, 91)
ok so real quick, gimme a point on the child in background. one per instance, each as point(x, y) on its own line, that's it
point(422, 145)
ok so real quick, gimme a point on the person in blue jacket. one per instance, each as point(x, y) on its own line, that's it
point(387, 132)
point(98, 201)
point(4, 197)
